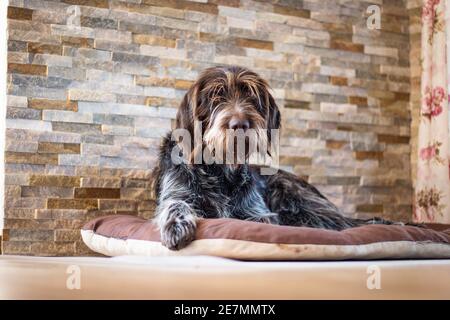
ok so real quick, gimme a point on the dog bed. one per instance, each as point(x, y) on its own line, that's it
point(118, 235)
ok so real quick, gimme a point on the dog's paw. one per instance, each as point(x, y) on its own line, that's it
point(178, 233)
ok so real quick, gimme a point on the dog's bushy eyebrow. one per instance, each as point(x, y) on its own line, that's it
point(214, 87)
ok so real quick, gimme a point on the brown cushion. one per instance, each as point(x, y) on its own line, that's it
point(122, 234)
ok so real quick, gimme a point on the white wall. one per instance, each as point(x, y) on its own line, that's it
point(3, 10)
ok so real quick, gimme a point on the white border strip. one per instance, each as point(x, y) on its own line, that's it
point(249, 250)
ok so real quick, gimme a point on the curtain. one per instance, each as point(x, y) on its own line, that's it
point(432, 192)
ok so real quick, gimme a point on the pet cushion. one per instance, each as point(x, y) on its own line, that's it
point(129, 235)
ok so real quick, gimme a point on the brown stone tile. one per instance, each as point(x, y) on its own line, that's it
point(47, 192)
point(341, 37)
point(100, 182)
point(334, 144)
point(24, 203)
point(360, 101)
point(402, 96)
point(29, 224)
point(131, 99)
point(154, 81)
point(345, 128)
point(153, 40)
point(20, 213)
point(71, 223)
point(375, 208)
point(31, 235)
point(97, 22)
point(135, 193)
point(294, 104)
point(183, 84)
point(13, 191)
point(5, 235)
point(368, 155)
point(54, 181)
point(201, 7)
point(289, 11)
point(90, 3)
point(64, 214)
point(391, 139)
point(19, 13)
point(16, 247)
point(184, 5)
point(338, 81)
point(294, 161)
point(153, 101)
point(117, 205)
point(257, 44)
point(227, 3)
point(209, 37)
point(65, 235)
point(334, 27)
point(128, 173)
point(87, 204)
point(135, 183)
point(88, 171)
point(31, 158)
point(77, 42)
point(34, 69)
point(23, 113)
point(50, 147)
point(42, 104)
point(35, 47)
point(43, 214)
point(90, 130)
point(97, 193)
point(346, 46)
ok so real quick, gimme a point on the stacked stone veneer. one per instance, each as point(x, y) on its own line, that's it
point(87, 104)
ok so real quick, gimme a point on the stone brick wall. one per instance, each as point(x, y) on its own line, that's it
point(87, 104)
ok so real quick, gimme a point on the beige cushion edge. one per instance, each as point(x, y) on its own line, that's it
point(248, 250)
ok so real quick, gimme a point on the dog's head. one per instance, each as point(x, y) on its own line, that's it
point(229, 98)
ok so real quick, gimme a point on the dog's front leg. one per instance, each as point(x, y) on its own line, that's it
point(177, 223)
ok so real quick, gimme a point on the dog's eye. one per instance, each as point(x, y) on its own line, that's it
point(250, 96)
point(253, 100)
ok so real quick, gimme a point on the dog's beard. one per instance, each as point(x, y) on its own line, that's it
point(222, 145)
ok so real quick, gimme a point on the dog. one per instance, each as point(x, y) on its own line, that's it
point(223, 99)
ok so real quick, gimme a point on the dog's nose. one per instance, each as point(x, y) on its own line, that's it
point(236, 123)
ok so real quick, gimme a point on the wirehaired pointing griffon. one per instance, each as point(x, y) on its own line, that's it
point(223, 101)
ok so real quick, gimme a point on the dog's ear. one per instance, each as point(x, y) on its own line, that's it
point(185, 114)
point(274, 117)
point(185, 119)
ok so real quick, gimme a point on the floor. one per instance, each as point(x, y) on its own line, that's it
point(217, 278)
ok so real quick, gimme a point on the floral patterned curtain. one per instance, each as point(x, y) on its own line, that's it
point(432, 194)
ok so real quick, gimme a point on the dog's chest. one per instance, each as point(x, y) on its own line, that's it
point(228, 194)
